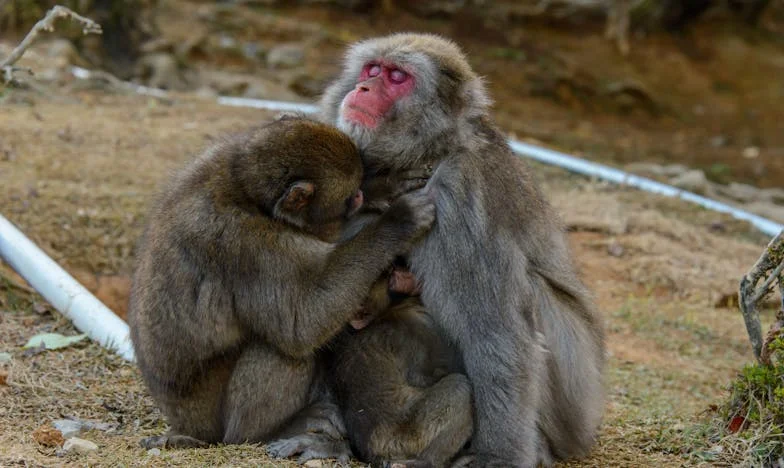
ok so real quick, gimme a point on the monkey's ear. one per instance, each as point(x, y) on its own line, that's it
point(297, 197)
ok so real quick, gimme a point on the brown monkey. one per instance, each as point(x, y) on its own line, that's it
point(498, 278)
point(240, 282)
point(399, 385)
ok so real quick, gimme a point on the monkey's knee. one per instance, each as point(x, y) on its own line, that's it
point(253, 407)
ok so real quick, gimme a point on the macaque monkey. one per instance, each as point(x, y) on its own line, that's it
point(240, 282)
point(498, 280)
point(399, 385)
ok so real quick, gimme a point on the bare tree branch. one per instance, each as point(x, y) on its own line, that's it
point(46, 24)
point(768, 266)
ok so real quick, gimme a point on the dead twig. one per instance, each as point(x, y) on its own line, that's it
point(46, 24)
point(769, 266)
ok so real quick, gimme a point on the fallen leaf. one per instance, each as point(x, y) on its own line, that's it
point(48, 436)
point(3, 378)
point(53, 340)
point(736, 424)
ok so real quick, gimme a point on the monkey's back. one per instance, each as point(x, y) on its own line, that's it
point(198, 254)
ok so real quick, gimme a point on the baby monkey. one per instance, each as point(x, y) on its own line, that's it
point(405, 399)
point(240, 280)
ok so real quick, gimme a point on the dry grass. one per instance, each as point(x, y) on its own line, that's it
point(81, 173)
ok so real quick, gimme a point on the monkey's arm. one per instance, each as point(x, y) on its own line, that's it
point(313, 301)
point(500, 347)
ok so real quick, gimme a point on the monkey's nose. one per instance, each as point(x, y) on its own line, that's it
point(362, 88)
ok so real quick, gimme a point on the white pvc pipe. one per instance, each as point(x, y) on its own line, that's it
point(88, 314)
point(611, 174)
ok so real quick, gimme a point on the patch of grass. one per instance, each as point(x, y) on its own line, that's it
point(749, 426)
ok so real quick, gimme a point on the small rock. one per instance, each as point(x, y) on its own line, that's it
point(672, 170)
point(286, 56)
point(615, 249)
point(719, 141)
point(669, 170)
point(161, 70)
point(78, 445)
point(314, 464)
point(68, 428)
point(253, 51)
point(5, 357)
point(693, 181)
point(743, 193)
point(767, 210)
point(751, 152)
point(776, 195)
point(307, 86)
point(155, 452)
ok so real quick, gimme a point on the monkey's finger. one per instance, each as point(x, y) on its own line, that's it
point(284, 448)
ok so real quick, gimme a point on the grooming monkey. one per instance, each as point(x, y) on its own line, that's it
point(240, 282)
point(497, 277)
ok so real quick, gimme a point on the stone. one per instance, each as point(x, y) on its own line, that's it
point(286, 56)
point(161, 70)
point(775, 195)
point(68, 427)
point(752, 152)
point(154, 452)
point(669, 170)
point(693, 181)
point(767, 210)
point(743, 193)
point(77, 445)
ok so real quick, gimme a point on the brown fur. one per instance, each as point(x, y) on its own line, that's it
point(239, 283)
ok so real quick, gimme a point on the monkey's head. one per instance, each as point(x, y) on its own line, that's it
point(301, 172)
point(398, 93)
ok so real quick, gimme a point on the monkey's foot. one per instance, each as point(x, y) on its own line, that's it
point(483, 460)
point(172, 441)
point(309, 447)
point(406, 464)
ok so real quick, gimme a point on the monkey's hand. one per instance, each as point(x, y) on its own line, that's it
point(376, 302)
point(413, 214)
point(382, 190)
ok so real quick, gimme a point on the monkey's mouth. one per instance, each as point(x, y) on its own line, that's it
point(360, 116)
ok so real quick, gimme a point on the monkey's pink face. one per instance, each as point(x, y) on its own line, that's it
point(379, 86)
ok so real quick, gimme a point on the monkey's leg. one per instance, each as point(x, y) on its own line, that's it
point(437, 426)
point(316, 432)
point(194, 418)
point(265, 390)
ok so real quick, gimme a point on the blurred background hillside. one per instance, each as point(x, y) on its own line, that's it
point(692, 84)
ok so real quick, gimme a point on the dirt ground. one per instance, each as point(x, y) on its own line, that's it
point(78, 172)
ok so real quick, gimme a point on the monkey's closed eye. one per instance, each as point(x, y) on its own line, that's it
point(397, 76)
point(374, 69)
